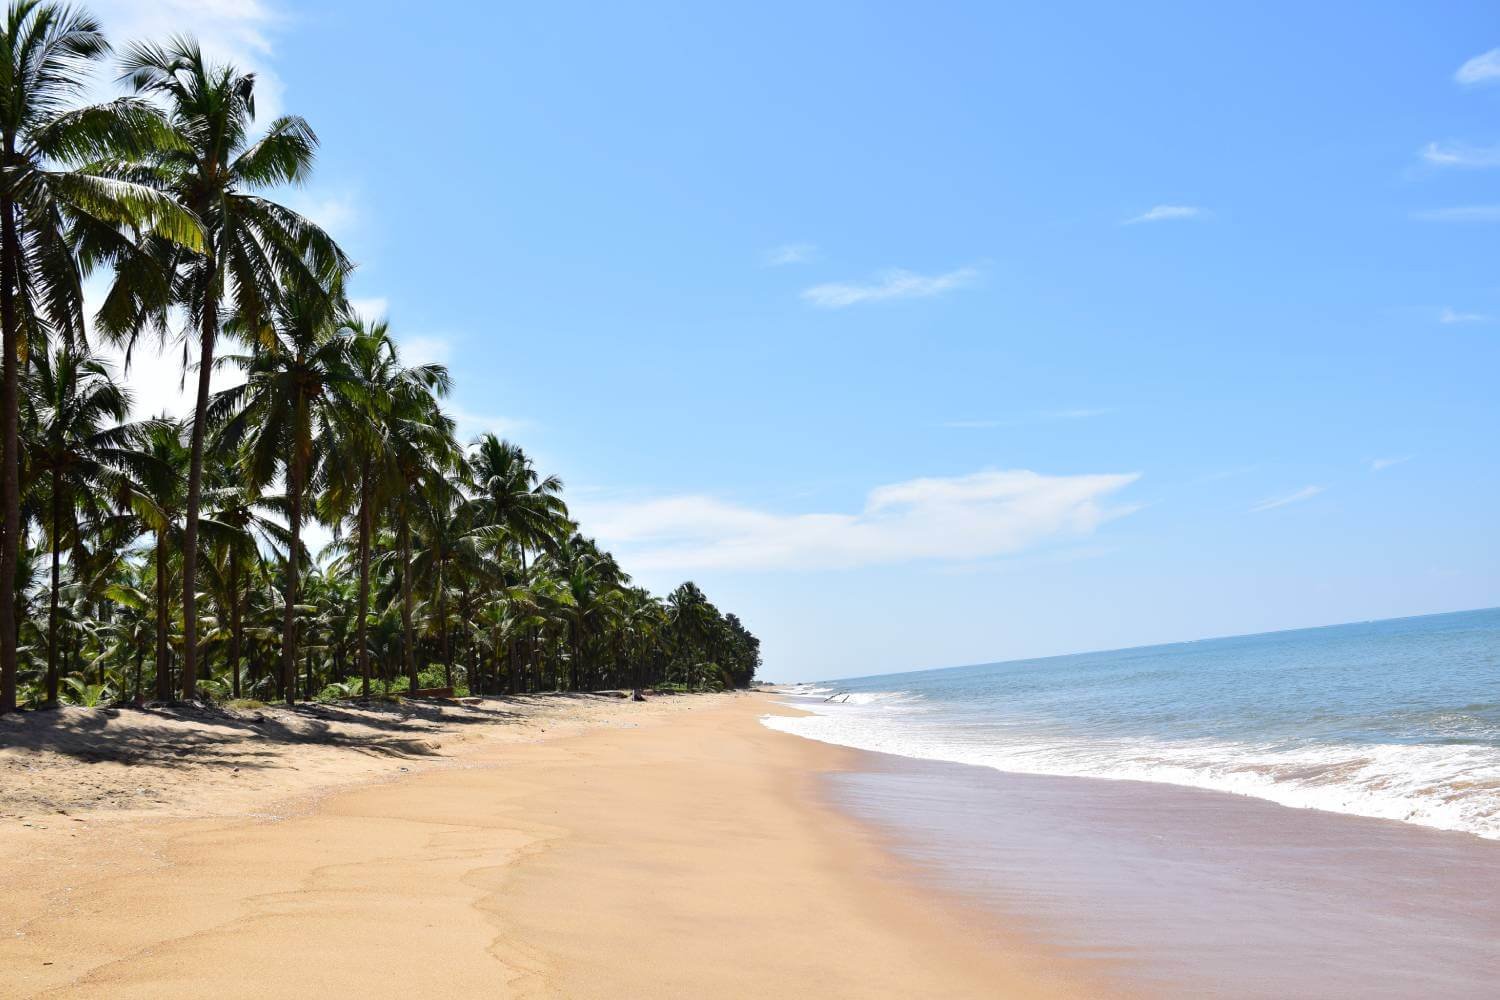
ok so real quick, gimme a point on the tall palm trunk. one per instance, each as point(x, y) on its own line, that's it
point(408, 640)
point(52, 603)
point(163, 649)
point(234, 619)
point(289, 618)
point(443, 627)
point(208, 335)
point(362, 626)
point(10, 441)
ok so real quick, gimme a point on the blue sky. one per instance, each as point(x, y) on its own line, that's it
point(926, 336)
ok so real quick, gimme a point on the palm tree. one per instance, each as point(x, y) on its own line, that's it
point(251, 246)
point(300, 375)
point(52, 185)
point(157, 499)
point(362, 447)
point(75, 434)
point(451, 548)
point(511, 495)
point(421, 455)
point(237, 527)
point(689, 614)
point(130, 628)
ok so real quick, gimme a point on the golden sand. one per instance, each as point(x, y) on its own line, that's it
point(589, 848)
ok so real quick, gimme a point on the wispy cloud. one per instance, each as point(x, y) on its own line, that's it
point(1166, 213)
point(958, 519)
point(888, 286)
point(790, 253)
point(1381, 464)
point(337, 213)
point(1042, 416)
point(469, 424)
point(1460, 213)
point(1481, 69)
point(237, 31)
point(424, 349)
point(1458, 154)
point(1305, 493)
point(1454, 316)
point(373, 308)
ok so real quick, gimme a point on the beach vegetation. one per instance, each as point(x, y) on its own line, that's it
point(168, 557)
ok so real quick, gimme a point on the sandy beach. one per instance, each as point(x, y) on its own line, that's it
point(544, 847)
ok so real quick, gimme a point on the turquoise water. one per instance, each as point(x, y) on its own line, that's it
point(1394, 719)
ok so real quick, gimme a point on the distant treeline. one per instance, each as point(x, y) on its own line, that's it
point(164, 558)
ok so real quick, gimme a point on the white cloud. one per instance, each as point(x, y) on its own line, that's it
point(956, 519)
point(469, 424)
point(337, 213)
point(1381, 464)
point(1480, 69)
point(155, 376)
point(1305, 493)
point(1166, 213)
point(1458, 154)
point(1454, 316)
point(790, 253)
point(372, 308)
point(1460, 213)
point(888, 285)
point(425, 350)
point(237, 31)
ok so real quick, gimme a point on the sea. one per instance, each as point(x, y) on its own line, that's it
point(1309, 813)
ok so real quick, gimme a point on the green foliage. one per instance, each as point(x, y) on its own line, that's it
point(451, 566)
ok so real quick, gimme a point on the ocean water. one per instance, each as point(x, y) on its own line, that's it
point(1155, 880)
point(1395, 719)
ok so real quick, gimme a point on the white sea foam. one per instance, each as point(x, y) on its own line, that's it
point(1447, 786)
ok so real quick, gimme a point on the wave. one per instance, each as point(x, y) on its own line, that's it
point(1449, 786)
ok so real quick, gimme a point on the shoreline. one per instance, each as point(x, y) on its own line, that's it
point(1190, 891)
point(678, 848)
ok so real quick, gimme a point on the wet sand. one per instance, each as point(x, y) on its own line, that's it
point(1192, 893)
point(673, 849)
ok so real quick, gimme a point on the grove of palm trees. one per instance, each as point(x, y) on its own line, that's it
point(167, 558)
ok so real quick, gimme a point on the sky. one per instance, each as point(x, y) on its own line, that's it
point(925, 335)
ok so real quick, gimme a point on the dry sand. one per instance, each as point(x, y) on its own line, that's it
point(545, 847)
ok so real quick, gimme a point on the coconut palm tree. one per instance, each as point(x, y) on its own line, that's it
point(251, 246)
point(56, 179)
point(238, 525)
point(421, 455)
point(74, 436)
point(157, 499)
point(510, 494)
point(299, 375)
point(362, 447)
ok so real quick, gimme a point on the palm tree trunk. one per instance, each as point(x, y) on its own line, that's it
point(209, 333)
point(443, 627)
point(364, 583)
point(52, 602)
point(10, 442)
point(234, 619)
point(289, 618)
point(163, 665)
point(408, 640)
